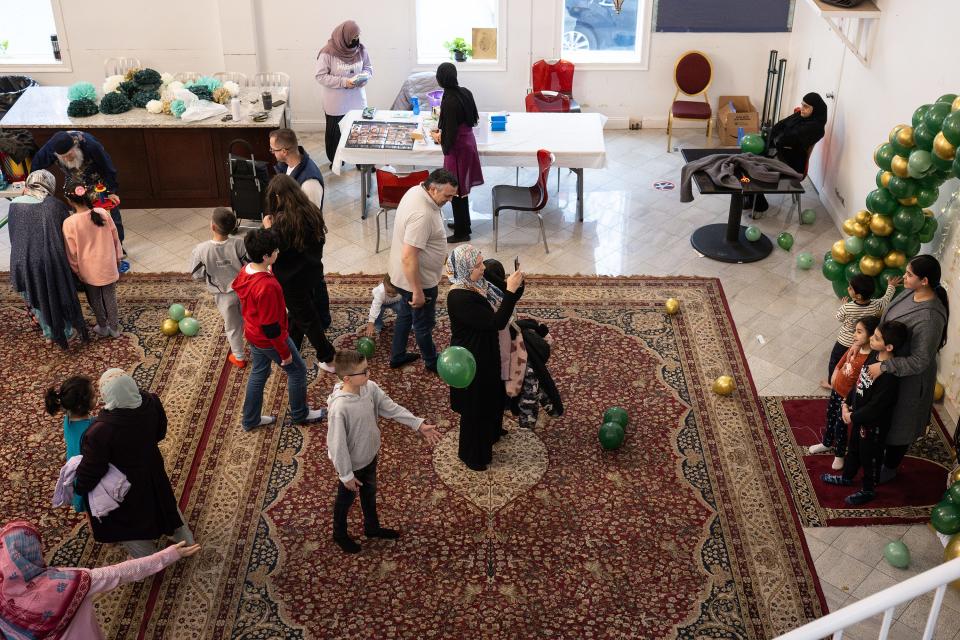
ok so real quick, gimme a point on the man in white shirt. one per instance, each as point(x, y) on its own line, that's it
point(293, 160)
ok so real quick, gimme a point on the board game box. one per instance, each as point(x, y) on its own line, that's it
point(381, 135)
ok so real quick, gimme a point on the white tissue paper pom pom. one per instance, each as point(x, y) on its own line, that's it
point(166, 78)
point(155, 106)
point(232, 87)
point(111, 83)
point(175, 86)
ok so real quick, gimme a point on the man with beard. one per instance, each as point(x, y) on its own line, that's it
point(83, 160)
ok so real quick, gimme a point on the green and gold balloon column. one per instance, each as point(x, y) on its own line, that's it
point(914, 162)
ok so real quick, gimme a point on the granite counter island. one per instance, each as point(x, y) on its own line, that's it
point(161, 162)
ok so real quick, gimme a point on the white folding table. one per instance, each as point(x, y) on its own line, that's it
point(575, 139)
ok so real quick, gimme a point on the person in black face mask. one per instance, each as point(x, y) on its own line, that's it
point(343, 67)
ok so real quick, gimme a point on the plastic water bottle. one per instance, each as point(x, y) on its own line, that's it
point(235, 109)
point(739, 135)
point(415, 105)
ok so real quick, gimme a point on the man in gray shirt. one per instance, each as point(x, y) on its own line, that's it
point(417, 255)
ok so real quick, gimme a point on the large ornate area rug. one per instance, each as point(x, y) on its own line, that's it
point(797, 422)
point(687, 531)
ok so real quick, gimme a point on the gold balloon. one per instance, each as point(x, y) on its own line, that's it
point(881, 225)
point(896, 131)
point(885, 178)
point(860, 230)
point(863, 217)
point(905, 136)
point(840, 253)
point(672, 305)
point(908, 202)
point(938, 392)
point(895, 259)
point(928, 213)
point(871, 265)
point(899, 167)
point(724, 386)
point(956, 104)
point(954, 476)
point(952, 552)
point(170, 327)
point(847, 226)
point(187, 313)
point(942, 147)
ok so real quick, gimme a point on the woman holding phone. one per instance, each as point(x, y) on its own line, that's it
point(343, 68)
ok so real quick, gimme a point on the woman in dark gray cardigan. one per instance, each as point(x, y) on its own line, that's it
point(923, 306)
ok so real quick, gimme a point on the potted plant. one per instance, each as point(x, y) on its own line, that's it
point(4, 44)
point(459, 49)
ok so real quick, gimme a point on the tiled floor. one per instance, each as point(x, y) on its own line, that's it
point(784, 315)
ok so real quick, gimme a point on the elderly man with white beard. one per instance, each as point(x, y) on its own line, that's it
point(83, 161)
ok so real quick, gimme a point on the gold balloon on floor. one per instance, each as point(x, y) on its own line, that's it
point(871, 265)
point(899, 167)
point(938, 392)
point(895, 259)
point(839, 252)
point(885, 178)
point(671, 306)
point(942, 148)
point(905, 136)
point(881, 225)
point(188, 314)
point(863, 217)
point(169, 327)
point(724, 385)
point(908, 202)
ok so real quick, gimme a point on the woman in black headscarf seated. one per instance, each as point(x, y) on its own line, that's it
point(791, 139)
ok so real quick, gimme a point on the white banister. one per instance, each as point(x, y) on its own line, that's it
point(884, 602)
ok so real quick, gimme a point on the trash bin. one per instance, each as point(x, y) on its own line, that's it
point(11, 88)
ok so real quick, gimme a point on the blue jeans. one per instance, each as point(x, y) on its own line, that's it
point(423, 321)
point(378, 323)
point(262, 360)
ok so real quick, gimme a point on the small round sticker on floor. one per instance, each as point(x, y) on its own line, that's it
point(664, 185)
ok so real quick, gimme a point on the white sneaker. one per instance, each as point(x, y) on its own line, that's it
point(103, 332)
point(315, 415)
point(114, 333)
point(818, 448)
point(327, 366)
point(837, 463)
point(264, 421)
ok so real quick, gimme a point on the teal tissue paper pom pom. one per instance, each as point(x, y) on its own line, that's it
point(209, 82)
point(82, 90)
point(147, 78)
point(200, 90)
point(114, 103)
point(81, 108)
point(177, 107)
point(142, 97)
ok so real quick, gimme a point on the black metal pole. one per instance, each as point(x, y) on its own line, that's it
point(771, 71)
point(781, 72)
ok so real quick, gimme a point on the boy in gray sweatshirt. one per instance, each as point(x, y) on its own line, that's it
point(353, 440)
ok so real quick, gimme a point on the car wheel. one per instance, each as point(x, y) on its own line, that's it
point(579, 40)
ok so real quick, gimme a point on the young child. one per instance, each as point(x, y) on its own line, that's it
point(265, 327)
point(868, 412)
point(218, 261)
point(353, 440)
point(844, 378)
point(77, 398)
point(385, 297)
point(858, 305)
point(94, 252)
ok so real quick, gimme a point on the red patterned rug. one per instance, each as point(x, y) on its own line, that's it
point(797, 422)
point(688, 531)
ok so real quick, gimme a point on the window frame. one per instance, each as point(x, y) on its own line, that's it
point(644, 30)
point(500, 64)
point(64, 65)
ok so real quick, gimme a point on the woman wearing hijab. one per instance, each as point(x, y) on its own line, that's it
point(39, 269)
point(458, 117)
point(125, 434)
point(37, 601)
point(479, 314)
point(343, 67)
point(791, 139)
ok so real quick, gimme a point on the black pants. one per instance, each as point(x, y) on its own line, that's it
point(835, 355)
point(307, 308)
point(461, 216)
point(368, 502)
point(331, 135)
point(117, 221)
point(866, 451)
point(893, 455)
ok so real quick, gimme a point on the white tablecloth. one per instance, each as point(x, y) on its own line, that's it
point(576, 140)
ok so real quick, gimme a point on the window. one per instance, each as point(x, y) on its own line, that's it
point(29, 34)
point(439, 21)
point(593, 31)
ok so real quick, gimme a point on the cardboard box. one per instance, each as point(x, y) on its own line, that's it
point(734, 112)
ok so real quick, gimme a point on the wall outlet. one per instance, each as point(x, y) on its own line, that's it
point(636, 124)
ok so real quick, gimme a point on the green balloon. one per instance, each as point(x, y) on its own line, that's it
point(808, 216)
point(854, 245)
point(879, 179)
point(805, 260)
point(917, 119)
point(947, 97)
point(880, 288)
point(832, 270)
point(932, 180)
point(876, 246)
point(366, 346)
point(926, 196)
point(616, 414)
point(890, 272)
point(899, 149)
point(908, 219)
point(928, 230)
point(880, 201)
point(189, 326)
point(752, 233)
point(897, 554)
point(176, 312)
point(852, 270)
point(883, 156)
point(918, 164)
point(611, 435)
point(923, 137)
point(900, 240)
point(914, 247)
point(901, 187)
point(933, 118)
point(951, 128)
point(840, 288)
point(457, 367)
point(753, 143)
point(945, 518)
point(785, 240)
point(955, 169)
point(939, 164)
point(954, 493)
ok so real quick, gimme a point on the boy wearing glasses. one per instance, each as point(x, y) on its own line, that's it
point(353, 441)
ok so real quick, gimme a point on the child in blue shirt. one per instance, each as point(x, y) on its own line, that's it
point(77, 398)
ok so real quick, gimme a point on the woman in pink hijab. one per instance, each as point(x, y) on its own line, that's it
point(343, 67)
point(37, 601)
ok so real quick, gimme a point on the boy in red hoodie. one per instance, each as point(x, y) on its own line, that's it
point(265, 328)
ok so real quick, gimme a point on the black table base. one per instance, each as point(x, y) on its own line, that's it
point(728, 242)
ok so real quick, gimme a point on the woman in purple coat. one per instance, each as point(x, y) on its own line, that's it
point(458, 117)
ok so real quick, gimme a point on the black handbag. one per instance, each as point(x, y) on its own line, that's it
point(248, 182)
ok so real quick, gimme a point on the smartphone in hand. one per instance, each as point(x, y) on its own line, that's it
point(516, 263)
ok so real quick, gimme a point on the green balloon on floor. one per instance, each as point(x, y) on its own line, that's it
point(808, 216)
point(616, 414)
point(785, 240)
point(189, 326)
point(752, 233)
point(366, 346)
point(457, 367)
point(176, 312)
point(753, 143)
point(611, 435)
point(945, 518)
point(805, 260)
point(897, 554)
